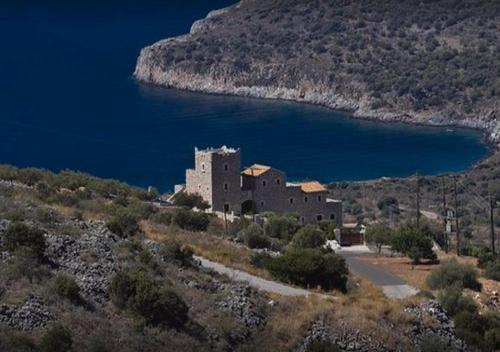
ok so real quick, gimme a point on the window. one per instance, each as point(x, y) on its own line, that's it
point(278, 181)
point(226, 186)
point(302, 219)
point(306, 199)
point(226, 208)
point(319, 217)
point(226, 167)
point(291, 200)
point(319, 198)
point(262, 203)
point(199, 186)
point(202, 167)
point(332, 216)
point(264, 183)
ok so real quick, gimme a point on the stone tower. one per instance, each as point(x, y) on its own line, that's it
point(216, 177)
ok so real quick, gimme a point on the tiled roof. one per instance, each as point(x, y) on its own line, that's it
point(311, 187)
point(256, 170)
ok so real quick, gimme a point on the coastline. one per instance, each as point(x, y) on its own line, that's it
point(150, 70)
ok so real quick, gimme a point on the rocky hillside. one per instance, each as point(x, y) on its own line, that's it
point(430, 61)
point(89, 265)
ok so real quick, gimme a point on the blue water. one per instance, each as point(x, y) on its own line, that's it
point(68, 101)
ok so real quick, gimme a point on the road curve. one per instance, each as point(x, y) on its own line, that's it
point(254, 281)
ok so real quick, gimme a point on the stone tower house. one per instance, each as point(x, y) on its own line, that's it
point(216, 177)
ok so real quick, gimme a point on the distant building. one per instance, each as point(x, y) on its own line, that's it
point(219, 179)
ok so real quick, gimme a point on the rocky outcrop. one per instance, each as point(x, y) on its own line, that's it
point(344, 337)
point(89, 257)
point(243, 50)
point(4, 255)
point(28, 316)
point(443, 327)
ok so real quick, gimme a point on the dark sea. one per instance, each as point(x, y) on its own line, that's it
point(68, 101)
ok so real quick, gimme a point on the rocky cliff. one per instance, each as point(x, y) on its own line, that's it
point(431, 62)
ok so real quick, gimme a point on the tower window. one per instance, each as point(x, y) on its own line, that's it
point(264, 183)
point(319, 217)
point(278, 181)
point(319, 198)
point(306, 199)
point(332, 216)
point(262, 203)
point(199, 186)
point(302, 219)
point(203, 167)
point(226, 208)
point(226, 186)
point(291, 200)
point(226, 167)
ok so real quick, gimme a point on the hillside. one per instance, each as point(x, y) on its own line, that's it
point(92, 265)
point(431, 61)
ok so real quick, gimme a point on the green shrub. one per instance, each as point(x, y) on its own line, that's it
point(431, 342)
point(309, 236)
point(191, 220)
point(484, 258)
point(25, 263)
point(492, 270)
point(66, 287)
point(452, 273)
point(121, 288)
point(162, 218)
point(172, 251)
point(408, 237)
point(124, 225)
point(310, 267)
point(148, 301)
point(20, 235)
point(14, 341)
point(282, 227)
point(157, 305)
point(322, 346)
point(253, 236)
point(57, 338)
point(453, 301)
point(259, 259)
point(183, 199)
point(147, 259)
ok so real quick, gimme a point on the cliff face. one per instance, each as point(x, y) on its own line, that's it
point(433, 62)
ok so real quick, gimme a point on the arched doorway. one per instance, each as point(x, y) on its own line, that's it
point(247, 207)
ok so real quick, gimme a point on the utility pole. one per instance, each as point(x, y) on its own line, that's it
point(444, 213)
point(492, 224)
point(418, 201)
point(457, 230)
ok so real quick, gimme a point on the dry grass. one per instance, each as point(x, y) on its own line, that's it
point(366, 309)
point(207, 246)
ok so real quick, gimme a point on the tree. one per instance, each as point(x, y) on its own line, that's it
point(190, 200)
point(124, 225)
point(380, 234)
point(282, 227)
point(388, 205)
point(408, 238)
point(309, 236)
point(253, 236)
point(19, 235)
point(191, 220)
point(57, 338)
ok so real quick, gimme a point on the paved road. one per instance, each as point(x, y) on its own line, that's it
point(254, 281)
point(392, 285)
